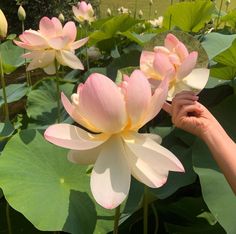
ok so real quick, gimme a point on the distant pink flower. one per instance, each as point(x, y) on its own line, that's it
point(51, 42)
point(174, 57)
point(115, 114)
point(83, 12)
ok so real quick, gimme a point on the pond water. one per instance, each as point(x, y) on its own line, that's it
point(159, 5)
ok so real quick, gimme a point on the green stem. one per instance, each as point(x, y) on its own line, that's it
point(6, 110)
point(86, 53)
point(145, 210)
point(149, 11)
point(219, 13)
point(116, 220)
point(58, 93)
point(8, 218)
point(135, 8)
point(170, 19)
point(156, 218)
point(27, 74)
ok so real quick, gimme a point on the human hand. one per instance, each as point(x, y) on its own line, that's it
point(188, 114)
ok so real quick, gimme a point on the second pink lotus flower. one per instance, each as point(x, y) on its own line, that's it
point(52, 42)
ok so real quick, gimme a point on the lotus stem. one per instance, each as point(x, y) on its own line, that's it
point(27, 74)
point(86, 52)
point(6, 110)
point(156, 218)
point(135, 8)
point(58, 93)
point(116, 220)
point(8, 218)
point(219, 13)
point(145, 210)
point(170, 19)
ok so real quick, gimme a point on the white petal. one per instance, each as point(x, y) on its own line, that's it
point(150, 162)
point(84, 157)
point(72, 137)
point(110, 179)
point(197, 79)
point(195, 82)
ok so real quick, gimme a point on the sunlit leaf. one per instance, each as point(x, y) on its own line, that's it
point(223, 72)
point(188, 16)
point(39, 181)
point(227, 57)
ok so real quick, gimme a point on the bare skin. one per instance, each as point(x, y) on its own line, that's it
point(188, 114)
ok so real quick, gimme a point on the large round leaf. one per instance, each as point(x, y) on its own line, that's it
point(38, 181)
point(189, 16)
point(216, 191)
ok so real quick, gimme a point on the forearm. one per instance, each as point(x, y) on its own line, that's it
point(223, 150)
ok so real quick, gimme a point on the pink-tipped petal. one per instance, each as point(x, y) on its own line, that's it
point(68, 58)
point(188, 65)
point(34, 39)
point(171, 41)
point(57, 25)
point(149, 161)
point(110, 179)
point(102, 103)
point(157, 100)
point(79, 43)
point(72, 137)
point(84, 157)
point(137, 104)
point(75, 115)
point(69, 30)
point(46, 27)
point(146, 65)
point(162, 64)
point(181, 51)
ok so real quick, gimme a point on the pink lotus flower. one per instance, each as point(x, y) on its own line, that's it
point(83, 12)
point(115, 114)
point(174, 57)
point(51, 42)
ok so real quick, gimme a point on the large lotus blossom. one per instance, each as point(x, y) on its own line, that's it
point(174, 56)
point(83, 12)
point(51, 43)
point(113, 115)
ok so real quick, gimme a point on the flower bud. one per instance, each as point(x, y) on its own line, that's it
point(3, 25)
point(61, 17)
point(108, 12)
point(140, 14)
point(21, 13)
point(156, 12)
point(150, 2)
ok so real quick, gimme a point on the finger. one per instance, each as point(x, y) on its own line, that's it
point(189, 96)
point(185, 92)
point(188, 111)
point(177, 105)
point(167, 107)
